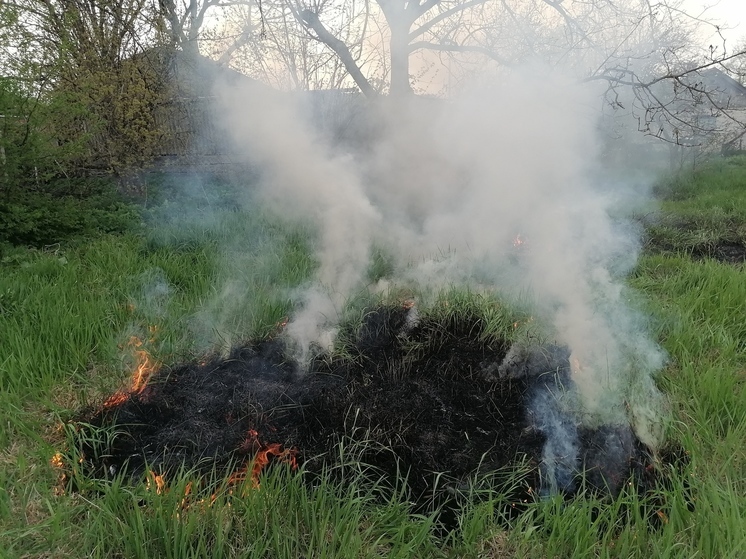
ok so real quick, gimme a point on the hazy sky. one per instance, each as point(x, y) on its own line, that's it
point(729, 13)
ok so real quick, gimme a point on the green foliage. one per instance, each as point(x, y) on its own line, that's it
point(381, 265)
point(193, 196)
point(107, 110)
point(39, 218)
point(29, 155)
point(44, 195)
point(81, 83)
point(718, 177)
point(701, 211)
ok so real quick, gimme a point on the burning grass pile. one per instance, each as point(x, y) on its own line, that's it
point(434, 400)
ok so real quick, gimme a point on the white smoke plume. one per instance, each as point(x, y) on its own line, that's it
point(447, 187)
point(304, 179)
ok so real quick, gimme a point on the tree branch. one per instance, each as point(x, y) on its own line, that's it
point(418, 9)
point(311, 19)
point(445, 47)
point(668, 76)
point(425, 27)
point(239, 41)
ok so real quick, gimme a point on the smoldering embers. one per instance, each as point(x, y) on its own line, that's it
point(444, 188)
point(430, 396)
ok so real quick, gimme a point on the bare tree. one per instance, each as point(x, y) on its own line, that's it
point(73, 31)
point(267, 42)
point(191, 22)
point(406, 22)
point(185, 19)
point(644, 52)
point(736, 66)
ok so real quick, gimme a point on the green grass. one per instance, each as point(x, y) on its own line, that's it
point(701, 209)
point(66, 316)
point(285, 518)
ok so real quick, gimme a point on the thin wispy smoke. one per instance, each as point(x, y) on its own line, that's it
point(303, 178)
point(446, 187)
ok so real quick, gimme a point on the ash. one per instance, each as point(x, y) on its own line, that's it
point(427, 399)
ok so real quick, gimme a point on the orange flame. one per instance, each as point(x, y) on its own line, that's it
point(158, 480)
point(262, 458)
point(518, 323)
point(116, 399)
point(518, 241)
point(145, 368)
point(57, 460)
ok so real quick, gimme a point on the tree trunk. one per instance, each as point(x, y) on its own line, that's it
point(399, 46)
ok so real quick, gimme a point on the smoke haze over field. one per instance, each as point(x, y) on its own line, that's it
point(446, 188)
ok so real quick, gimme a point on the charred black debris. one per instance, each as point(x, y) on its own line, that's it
point(437, 401)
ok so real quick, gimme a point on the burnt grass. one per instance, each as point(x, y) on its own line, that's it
point(422, 402)
point(677, 235)
point(722, 250)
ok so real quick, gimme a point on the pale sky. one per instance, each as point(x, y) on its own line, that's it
point(729, 13)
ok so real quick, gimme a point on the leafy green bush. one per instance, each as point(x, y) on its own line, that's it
point(42, 218)
point(40, 201)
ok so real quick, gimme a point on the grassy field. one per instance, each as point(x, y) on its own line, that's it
point(67, 313)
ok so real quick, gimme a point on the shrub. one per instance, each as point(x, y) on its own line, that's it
point(43, 218)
